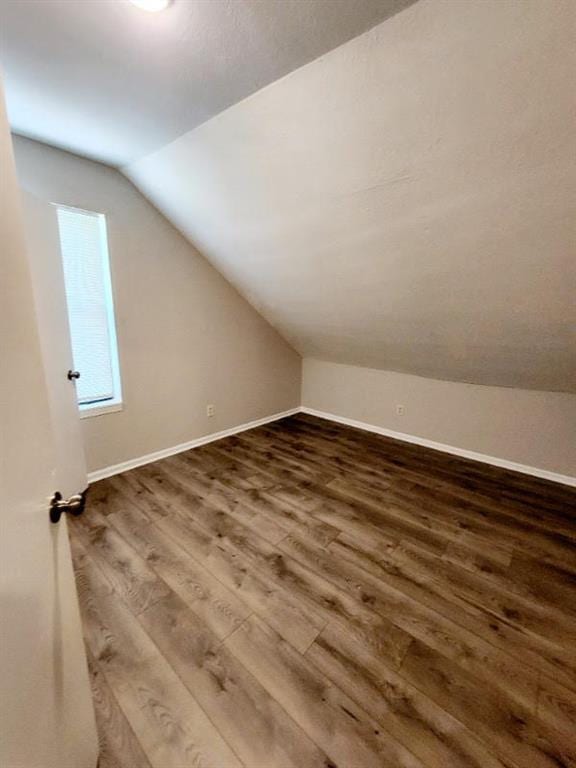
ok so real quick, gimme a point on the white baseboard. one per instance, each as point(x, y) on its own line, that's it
point(504, 463)
point(124, 466)
point(116, 469)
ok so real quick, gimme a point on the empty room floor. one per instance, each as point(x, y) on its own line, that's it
point(306, 594)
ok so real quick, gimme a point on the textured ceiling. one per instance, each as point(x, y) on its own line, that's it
point(406, 202)
point(105, 79)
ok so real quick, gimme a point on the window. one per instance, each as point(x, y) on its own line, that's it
point(84, 248)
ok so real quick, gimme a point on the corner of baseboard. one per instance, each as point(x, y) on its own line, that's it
point(544, 474)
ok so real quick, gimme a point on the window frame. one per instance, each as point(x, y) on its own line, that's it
point(110, 405)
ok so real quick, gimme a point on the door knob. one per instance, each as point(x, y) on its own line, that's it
point(75, 505)
point(72, 375)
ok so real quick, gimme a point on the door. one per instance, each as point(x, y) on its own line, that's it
point(46, 714)
point(43, 247)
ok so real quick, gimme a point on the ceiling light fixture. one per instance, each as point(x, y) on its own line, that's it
point(151, 5)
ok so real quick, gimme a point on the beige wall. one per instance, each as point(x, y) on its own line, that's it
point(186, 337)
point(537, 429)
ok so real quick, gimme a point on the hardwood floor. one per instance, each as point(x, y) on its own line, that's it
point(306, 594)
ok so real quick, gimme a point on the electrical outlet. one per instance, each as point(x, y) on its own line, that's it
point(210, 410)
point(400, 410)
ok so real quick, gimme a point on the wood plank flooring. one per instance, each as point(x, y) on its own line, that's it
point(307, 595)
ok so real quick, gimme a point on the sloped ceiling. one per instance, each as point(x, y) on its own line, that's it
point(106, 79)
point(406, 202)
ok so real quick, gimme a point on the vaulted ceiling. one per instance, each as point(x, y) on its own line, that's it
point(406, 201)
point(106, 79)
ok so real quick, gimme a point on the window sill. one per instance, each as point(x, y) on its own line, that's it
point(87, 411)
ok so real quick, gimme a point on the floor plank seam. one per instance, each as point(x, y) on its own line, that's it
point(447, 617)
point(99, 666)
point(192, 695)
point(222, 640)
point(311, 643)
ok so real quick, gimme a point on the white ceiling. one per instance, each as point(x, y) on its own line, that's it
point(407, 202)
point(105, 79)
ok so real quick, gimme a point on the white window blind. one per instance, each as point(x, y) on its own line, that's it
point(84, 250)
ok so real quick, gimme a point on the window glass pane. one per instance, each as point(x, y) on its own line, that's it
point(86, 276)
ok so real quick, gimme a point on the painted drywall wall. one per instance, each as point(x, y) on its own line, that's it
point(46, 713)
point(537, 429)
point(407, 201)
point(186, 337)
